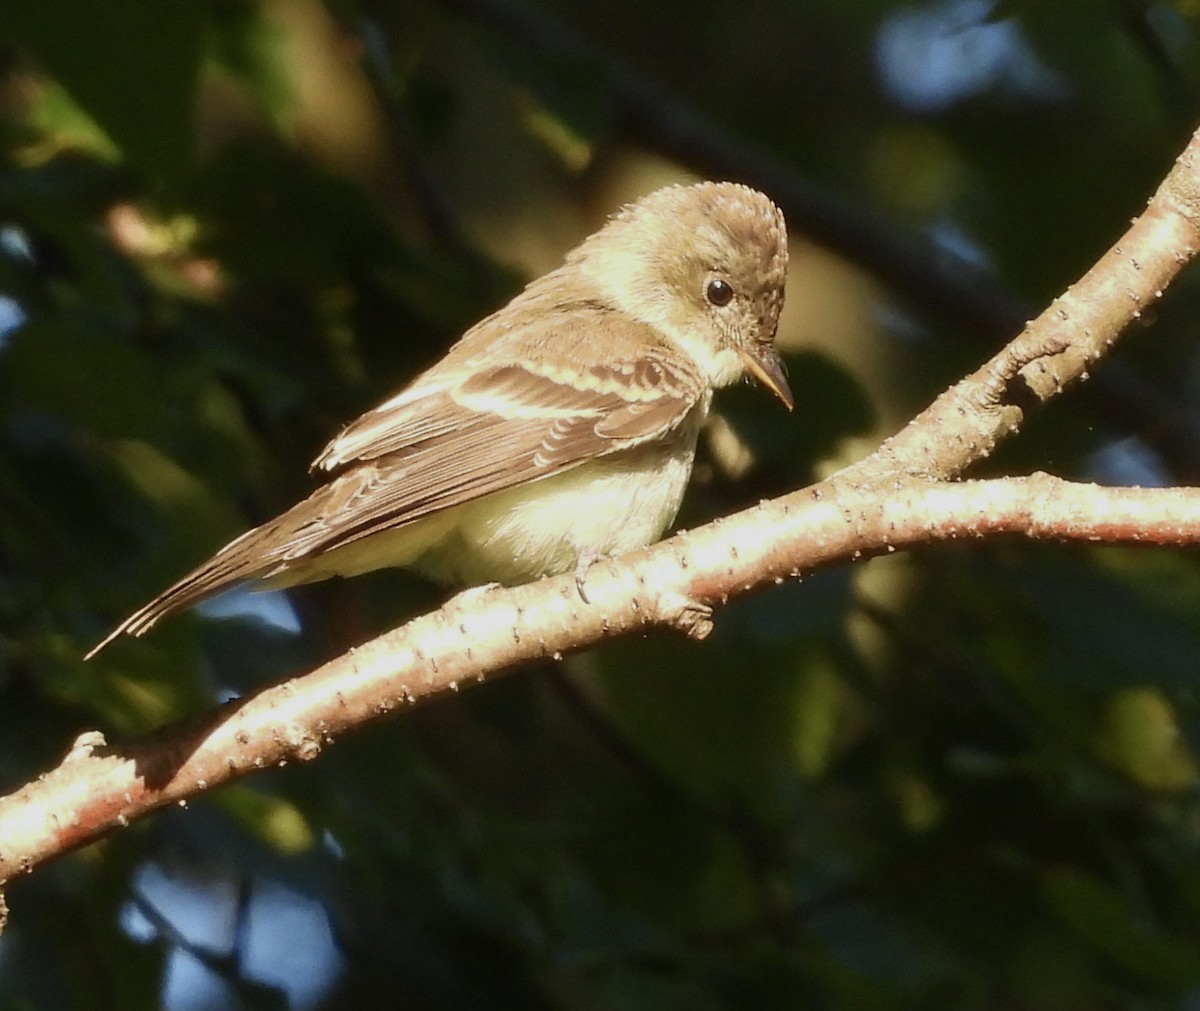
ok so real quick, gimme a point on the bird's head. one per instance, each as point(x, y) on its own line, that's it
point(705, 265)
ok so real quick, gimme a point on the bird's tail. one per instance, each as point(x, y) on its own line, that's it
point(280, 544)
point(233, 563)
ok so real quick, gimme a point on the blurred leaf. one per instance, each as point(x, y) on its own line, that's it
point(54, 370)
point(133, 66)
point(1101, 915)
point(247, 46)
point(1143, 739)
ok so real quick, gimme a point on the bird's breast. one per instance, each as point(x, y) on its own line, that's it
point(604, 507)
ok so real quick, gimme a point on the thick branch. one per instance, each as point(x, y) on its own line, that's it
point(99, 787)
point(888, 502)
point(1079, 328)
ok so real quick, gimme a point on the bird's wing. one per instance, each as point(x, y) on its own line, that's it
point(501, 426)
point(450, 439)
point(501, 374)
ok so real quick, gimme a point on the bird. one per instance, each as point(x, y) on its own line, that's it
point(558, 430)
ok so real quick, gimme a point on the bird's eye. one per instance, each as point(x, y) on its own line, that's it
point(719, 292)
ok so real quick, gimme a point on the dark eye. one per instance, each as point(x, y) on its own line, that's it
point(719, 292)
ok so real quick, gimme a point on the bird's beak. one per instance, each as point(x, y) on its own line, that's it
point(762, 361)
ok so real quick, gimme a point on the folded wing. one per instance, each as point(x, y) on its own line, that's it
point(456, 435)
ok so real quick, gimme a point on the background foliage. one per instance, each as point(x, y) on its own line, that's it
point(964, 778)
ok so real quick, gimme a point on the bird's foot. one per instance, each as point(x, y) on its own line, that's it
point(584, 561)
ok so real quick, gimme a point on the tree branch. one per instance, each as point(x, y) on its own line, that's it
point(674, 584)
point(897, 498)
point(1079, 328)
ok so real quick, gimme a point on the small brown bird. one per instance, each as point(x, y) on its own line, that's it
point(556, 431)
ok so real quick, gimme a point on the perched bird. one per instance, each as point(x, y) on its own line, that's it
point(558, 430)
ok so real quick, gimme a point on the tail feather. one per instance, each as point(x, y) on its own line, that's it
point(233, 563)
point(279, 544)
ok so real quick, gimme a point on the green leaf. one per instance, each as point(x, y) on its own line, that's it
point(132, 65)
point(1106, 919)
